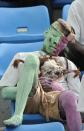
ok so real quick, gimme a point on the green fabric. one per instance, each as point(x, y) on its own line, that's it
point(9, 93)
point(27, 79)
point(52, 38)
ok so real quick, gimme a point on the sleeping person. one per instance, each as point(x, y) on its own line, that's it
point(57, 73)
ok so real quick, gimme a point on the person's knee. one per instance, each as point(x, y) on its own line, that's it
point(16, 56)
point(32, 61)
point(68, 100)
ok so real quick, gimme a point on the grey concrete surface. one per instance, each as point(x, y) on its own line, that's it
point(5, 110)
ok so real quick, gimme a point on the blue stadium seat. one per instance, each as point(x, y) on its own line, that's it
point(29, 118)
point(60, 3)
point(54, 126)
point(33, 118)
point(8, 50)
point(65, 11)
point(21, 30)
point(23, 24)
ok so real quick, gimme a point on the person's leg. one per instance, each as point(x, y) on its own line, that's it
point(68, 101)
point(9, 93)
point(27, 79)
point(11, 75)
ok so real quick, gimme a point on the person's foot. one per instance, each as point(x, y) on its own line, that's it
point(13, 121)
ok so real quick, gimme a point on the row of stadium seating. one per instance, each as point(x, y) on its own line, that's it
point(50, 4)
point(58, 3)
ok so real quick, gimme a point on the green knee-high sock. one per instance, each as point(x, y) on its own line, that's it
point(9, 93)
point(30, 70)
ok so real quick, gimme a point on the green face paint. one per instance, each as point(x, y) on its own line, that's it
point(53, 38)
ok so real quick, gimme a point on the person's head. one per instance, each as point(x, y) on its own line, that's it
point(56, 36)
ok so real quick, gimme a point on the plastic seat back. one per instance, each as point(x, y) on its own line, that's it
point(65, 11)
point(23, 24)
point(53, 126)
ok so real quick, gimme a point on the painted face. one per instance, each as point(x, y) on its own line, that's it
point(52, 38)
point(56, 37)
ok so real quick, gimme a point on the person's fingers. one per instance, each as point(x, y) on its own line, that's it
point(71, 37)
point(73, 41)
point(65, 24)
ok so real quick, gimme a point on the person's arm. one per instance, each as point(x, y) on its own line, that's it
point(75, 22)
point(73, 82)
point(74, 51)
point(75, 44)
point(74, 19)
point(78, 47)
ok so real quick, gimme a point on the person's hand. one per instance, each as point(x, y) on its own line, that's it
point(71, 38)
point(68, 27)
point(44, 81)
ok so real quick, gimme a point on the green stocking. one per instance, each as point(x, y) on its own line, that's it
point(27, 79)
point(9, 93)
